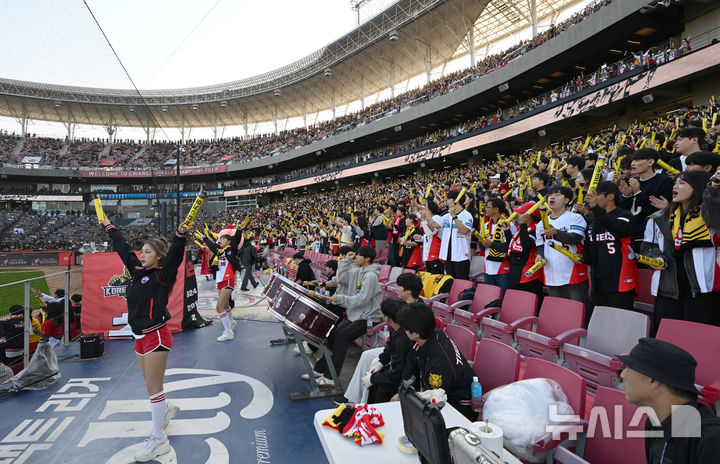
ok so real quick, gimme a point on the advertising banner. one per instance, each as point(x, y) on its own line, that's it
point(45, 258)
point(153, 172)
point(105, 281)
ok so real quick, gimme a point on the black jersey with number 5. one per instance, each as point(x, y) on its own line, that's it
point(606, 250)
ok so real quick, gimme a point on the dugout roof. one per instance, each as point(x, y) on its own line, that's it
point(427, 33)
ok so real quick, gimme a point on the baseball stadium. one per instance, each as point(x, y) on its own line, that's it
point(436, 231)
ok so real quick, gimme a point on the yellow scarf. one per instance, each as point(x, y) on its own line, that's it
point(690, 231)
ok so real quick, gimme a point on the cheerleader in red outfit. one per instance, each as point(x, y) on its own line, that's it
point(152, 279)
point(226, 260)
point(205, 255)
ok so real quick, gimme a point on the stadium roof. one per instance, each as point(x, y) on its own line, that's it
point(405, 40)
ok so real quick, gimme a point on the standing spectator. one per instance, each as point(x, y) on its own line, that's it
point(688, 141)
point(641, 188)
point(457, 232)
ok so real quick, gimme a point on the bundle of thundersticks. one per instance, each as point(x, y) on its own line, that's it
point(357, 421)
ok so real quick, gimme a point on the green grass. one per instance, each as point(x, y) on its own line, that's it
point(15, 294)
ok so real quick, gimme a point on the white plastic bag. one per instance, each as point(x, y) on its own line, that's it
point(522, 410)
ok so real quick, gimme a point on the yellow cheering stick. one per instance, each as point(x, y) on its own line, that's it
point(544, 218)
point(597, 172)
point(99, 209)
point(656, 263)
point(192, 214)
point(245, 222)
point(559, 248)
point(427, 190)
point(198, 243)
point(536, 267)
point(532, 209)
point(462, 192)
point(667, 167)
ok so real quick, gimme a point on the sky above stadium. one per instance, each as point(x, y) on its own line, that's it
point(163, 43)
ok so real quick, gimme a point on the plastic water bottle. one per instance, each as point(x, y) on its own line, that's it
point(369, 323)
point(475, 394)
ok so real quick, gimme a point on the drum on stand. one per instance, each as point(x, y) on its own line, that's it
point(283, 303)
point(273, 287)
point(310, 318)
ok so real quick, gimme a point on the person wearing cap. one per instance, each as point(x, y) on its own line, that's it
point(607, 248)
point(522, 251)
point(661, 376)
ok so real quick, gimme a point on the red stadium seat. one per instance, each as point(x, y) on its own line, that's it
point(442, 302)
point(463, 338)
point(560, 321)
point(516, 305)
point(381, 256)
point(471, 316)
point(389, 289)
point(384, 273)
point(477, 268)
point(703, 342)
point(496, 364)
point(611, 331)
point(644, 301)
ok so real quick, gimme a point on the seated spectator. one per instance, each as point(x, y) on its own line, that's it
point(434, 360)
point(661, 376)
point(75, 307)
point(13, 329)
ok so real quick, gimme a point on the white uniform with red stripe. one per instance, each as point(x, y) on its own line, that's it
point(561, 270)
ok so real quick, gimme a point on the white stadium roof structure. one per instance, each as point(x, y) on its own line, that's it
point(405, 40)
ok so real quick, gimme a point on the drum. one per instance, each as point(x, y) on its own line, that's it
point(273, 287)
point(283, 302)
point(292, 285)
point(310, 319)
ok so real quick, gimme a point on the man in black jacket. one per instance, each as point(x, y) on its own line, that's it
point(661, 376)
point(248, 255)
point(384, 377)
point(614, 275)
point(435, 360)
point(637, 191)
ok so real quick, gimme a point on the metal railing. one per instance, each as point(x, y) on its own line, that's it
point(27, 317)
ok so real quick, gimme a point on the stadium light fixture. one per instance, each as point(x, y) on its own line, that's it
point(504, 87)
point(223, 104)
point(422, 165)
point(542, 132)
point(131, 109)
point(57, 104)
point(648, 98)
point(164, 109)
point(376, 174)
point(195, 107)
point(398, 128)
point(277, 92)
point(393, 35)
point(327, 72)
point(475, 152)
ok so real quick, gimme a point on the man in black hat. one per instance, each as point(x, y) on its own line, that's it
point(661, 376)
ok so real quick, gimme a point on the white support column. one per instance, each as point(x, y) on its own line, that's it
point(305, 114)
point(275, 117)
point(69, 125)
point(533, 16)
point(182, 131)
point(332, 102)
point(245, 123)
point(23, 122)
point(428, 63)
point(109, 129)
point(362, 94)
point(215, 125)
point(392, 80)
point(471, 45)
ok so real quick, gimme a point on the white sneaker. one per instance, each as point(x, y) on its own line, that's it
point(296, 350)
point(226, 335)
point(154, 447)
point(307, 377)
point(171, 411)
point(323, 381)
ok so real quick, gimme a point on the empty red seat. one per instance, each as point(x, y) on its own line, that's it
point(469, 313)
point(463, 338)
point(442, 302)
point(496, 364)
point(516, 305)
point(703, 342)
point(560, 321)
point(607, 443)
point(645, 301)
